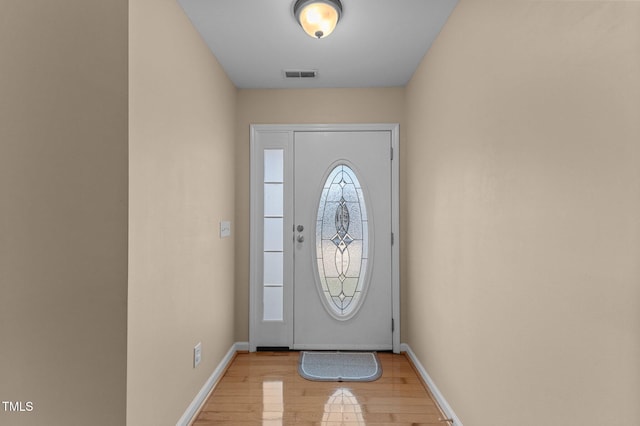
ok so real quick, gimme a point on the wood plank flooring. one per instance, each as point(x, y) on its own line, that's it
point(264, 388)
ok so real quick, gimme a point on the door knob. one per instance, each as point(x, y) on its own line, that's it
point(300, 228)
point(300, 238)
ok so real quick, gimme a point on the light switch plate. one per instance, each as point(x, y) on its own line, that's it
point(225, 229)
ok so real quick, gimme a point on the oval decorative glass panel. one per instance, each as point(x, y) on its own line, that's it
point(342, 242)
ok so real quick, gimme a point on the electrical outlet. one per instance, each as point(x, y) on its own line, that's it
point(197, 354)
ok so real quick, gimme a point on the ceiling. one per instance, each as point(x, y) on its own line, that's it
point(377, 43)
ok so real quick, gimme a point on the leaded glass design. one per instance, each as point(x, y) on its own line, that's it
point(342, 240)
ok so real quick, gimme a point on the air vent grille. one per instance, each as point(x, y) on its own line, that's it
point(300, 73)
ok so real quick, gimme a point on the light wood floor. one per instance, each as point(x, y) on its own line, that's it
point(264, 388)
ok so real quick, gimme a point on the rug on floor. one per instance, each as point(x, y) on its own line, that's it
point(339, 366)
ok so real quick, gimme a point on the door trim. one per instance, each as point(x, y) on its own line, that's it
point(280, 333)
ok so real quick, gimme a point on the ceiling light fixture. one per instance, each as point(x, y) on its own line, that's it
point(318, 18)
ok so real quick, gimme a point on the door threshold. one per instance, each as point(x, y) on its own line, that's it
point(272, 349)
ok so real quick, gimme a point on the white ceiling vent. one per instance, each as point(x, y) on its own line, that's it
point(300, 73)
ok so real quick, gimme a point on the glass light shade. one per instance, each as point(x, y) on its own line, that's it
point(319, 18)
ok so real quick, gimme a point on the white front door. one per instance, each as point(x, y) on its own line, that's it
point(324, 212)
point(342, 242)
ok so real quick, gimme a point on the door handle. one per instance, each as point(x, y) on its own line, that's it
point(300, 238)
point(300, 228)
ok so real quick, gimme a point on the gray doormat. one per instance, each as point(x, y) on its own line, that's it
point(339, 366)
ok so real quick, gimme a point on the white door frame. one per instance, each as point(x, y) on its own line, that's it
point(280, 136)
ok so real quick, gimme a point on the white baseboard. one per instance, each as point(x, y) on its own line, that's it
point(200, 398)
point(242, 346)
point(444, 405)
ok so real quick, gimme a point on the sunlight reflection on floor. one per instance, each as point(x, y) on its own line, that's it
point(342, 408)
point(272, 403)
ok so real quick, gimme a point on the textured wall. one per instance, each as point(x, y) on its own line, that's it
point(523, 197)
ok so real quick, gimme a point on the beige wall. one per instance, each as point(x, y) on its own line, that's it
point(63, 211)
point(375, 105)
point(523, 197)
point(182, 122)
